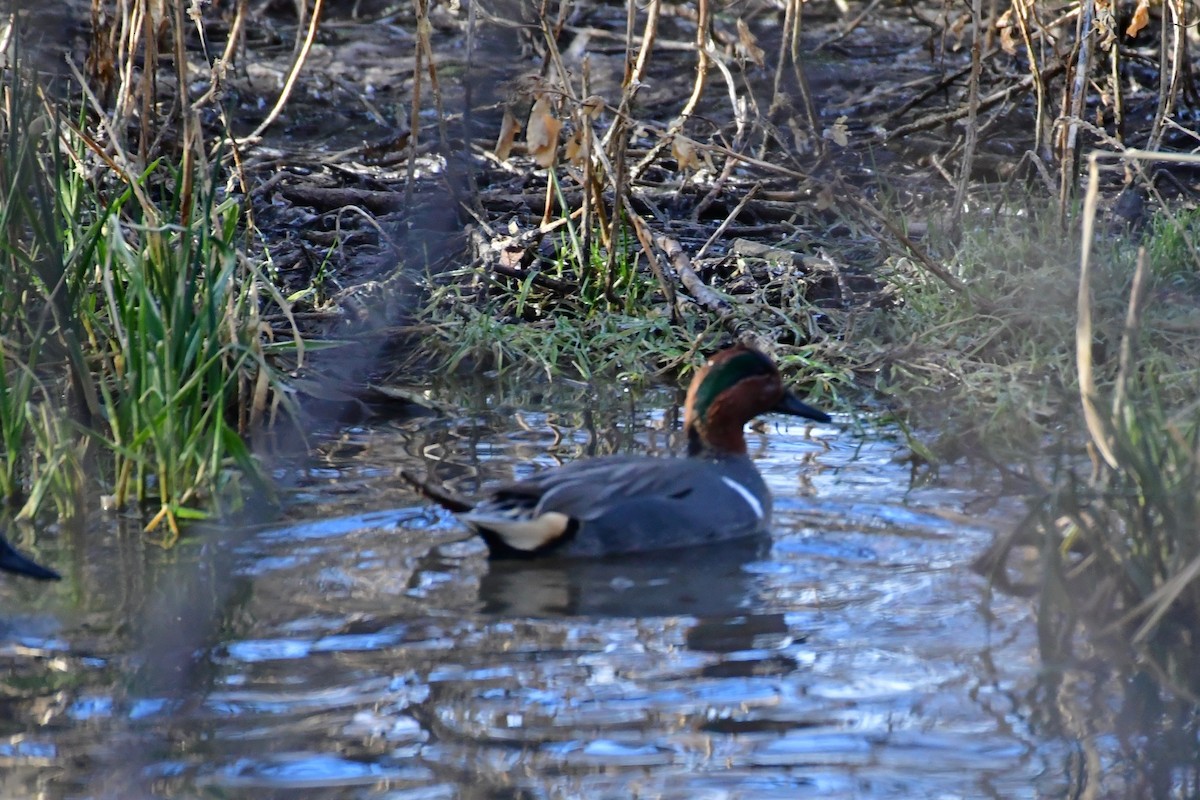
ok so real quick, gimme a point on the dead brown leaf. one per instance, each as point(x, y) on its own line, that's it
point(574, 147)
point(684, 150)
point(748, 45)
point(1141, 18)
point(1008, 35)
point(508, 133)
point(592, 106)
point(541, 133)
point(839, 132)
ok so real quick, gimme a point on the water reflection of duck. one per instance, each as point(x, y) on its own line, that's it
point(709, 582)
point(12, 561)
point(626, 504)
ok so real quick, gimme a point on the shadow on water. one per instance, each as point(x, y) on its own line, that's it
point(365, 648)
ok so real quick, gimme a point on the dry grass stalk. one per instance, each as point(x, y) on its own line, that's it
point(789, 52)
point(289, 83)
point(1098, 425)
point(1073, 113)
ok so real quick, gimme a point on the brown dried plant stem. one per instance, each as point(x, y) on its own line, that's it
point(1073, 113)
point(789, 52)
point(424, 31)
point(634, 73)
point(421, 7)
point(1099, 426)
point(972, 132)
point(149, 90)
point(592, 195)
point(1040, 135)
point(289, 84)
point(620, 179)
point(703, 42)
point(634, 76)
point(1174, 27)
point(236, 31)
point(190, 135)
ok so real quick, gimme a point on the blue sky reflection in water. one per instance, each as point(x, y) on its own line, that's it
point(367, 650)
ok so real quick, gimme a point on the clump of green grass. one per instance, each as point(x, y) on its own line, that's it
point(132, 327)
point(597, 316)
point(992, 371)
point(523, 331)
point(182, 349)
point(1113, 443)
point(1134, 521)
point(1173, 246)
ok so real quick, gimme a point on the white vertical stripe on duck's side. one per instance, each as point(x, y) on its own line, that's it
point(746, 494)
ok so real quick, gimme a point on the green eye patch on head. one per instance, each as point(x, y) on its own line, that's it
point(726, 374)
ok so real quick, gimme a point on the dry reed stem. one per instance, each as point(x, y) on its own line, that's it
point(236, 31)
point(189, 128)
point(1168, 87)
point(583, 121)
point(810, 111)
point(1129, 337)
point(414, 119)
point(1098, 426)
point(1041, 127)
point(972, 133)
point(1068, 151)
point(703, 40)
point(648, 33)
point(120, 164)
point(662, 271)
point(620, 184)
point(634, 75)
point(293, 74)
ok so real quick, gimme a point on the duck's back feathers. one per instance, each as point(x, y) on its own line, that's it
point(623, 504)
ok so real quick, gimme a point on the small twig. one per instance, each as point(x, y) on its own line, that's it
point(666, 278)
point(700, 292)
point(414, 125)
point(972, 132)
point(851, 26)
point(998, 96)
point(728, 221)
point(293, 75)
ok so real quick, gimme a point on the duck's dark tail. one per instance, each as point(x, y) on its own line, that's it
point(438, 494)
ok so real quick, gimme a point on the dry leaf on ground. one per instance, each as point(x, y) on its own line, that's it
point(541, 134)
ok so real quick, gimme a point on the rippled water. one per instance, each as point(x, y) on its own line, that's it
point(368, 650)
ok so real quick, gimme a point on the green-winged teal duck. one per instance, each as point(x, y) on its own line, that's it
point(12, 561)
point(627, 504)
